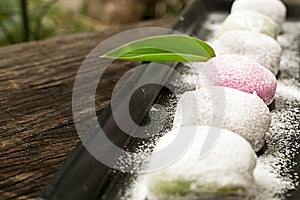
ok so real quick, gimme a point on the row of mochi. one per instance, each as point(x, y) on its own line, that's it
point(229, 107)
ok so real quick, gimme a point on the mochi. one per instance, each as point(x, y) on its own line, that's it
point(240, 112)
point(227, 169)
point(250, 21)
point(238, 72)
point(275, 9)
point(256, 46)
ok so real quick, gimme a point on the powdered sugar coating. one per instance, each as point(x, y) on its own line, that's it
point(242, 113)
point(250, 21)
point(227, 168)
point(275, 9)
point(240, 73)
point(256, 46)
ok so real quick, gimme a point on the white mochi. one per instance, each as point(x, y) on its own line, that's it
point(256, 46)
point(240, 112)
point(227, 169)
point(275, 9)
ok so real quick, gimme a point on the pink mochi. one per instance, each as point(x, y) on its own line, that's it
point(240, 73)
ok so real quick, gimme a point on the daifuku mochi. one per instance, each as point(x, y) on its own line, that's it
point(227, 169)
point(238, 72)
point(240, 112)
point(250, 21)
point(275, 9)
point(256, 46)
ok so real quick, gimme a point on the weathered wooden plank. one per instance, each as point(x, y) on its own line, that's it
point(36, 127)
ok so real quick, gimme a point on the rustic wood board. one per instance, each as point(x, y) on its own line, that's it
point(37, 132)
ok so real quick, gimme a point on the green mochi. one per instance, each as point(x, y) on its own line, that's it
point(249, 21)
point(180, 186)
point(227, 170)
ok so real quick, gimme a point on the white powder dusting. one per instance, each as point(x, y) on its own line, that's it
point(288, 90)
point(274, 174)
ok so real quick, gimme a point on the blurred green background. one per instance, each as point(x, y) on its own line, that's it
point(25, 20)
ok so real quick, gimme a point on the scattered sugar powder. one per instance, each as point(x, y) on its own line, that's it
point(275, 173)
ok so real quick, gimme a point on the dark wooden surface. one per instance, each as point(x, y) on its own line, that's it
point(37, 132)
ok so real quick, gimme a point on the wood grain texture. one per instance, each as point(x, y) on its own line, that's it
point(36, 127)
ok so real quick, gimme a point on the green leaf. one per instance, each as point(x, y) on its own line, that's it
point(166, 48)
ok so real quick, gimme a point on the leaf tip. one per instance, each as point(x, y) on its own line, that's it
point(104, 56)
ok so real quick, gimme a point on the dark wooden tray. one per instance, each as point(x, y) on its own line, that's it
point(81, 171)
